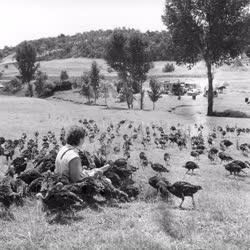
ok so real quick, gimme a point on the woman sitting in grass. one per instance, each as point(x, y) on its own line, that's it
point(68, 162)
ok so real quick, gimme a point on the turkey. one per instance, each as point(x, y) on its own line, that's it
point(225, 144)
point(7, 196)
point(241, 164)
point(157, 167)
point(160, 184)
point(213, 151)
point(225, 157)
point(19, 164)
point(166, 158)
point(211, 157)
point(190, 165)
point(29, 175)
point(47, 162)
point(195, 154)
point(233, 168)
point(182, 189)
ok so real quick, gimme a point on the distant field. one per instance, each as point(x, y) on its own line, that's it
point(76, 66)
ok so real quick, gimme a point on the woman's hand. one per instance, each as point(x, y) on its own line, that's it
point(95, 172)
point(105, 168)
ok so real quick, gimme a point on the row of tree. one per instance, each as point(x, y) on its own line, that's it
point(215, 31)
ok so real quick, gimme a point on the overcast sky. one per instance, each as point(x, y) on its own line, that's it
point(31, 19)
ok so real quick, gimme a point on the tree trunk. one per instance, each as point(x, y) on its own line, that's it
point(30, 89)
point(141, 100)
point(210, 89)
point(153, 105)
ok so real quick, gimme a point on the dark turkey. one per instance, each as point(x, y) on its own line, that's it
point(225, 157)
point(241, 164)
point(157, 167)
point(182, 189)
point(195, 154)
point(19, 164)
point(7, 196)
point(226, 143)
point(160, 184)
point(166, 157)
point(213, 151)
point(233, 168)
point(29, 175)
point(190, 165)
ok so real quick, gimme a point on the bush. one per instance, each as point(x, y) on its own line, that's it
point(64, 75)
point(13, 86)
point(169, 67)
point(61, 86)
point(40, 82)
point(48, 90)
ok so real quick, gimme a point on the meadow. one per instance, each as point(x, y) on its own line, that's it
point(221, 219)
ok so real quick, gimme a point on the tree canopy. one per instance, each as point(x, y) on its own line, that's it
point(206, 29)
point(26, 59)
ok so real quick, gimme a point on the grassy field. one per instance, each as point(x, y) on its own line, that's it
point(221, 220)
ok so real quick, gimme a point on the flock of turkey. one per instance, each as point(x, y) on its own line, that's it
point(31, 164)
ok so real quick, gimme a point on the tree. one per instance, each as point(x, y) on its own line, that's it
point(64, 75)
point(211, 30)
point(138, 63)
point(40, 82)
point(94, 77)
point(116, 57)
point(26, 64)
point(128, 55)
point(86, 87)
point(155, 92)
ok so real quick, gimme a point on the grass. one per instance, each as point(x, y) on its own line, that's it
point(221, 220)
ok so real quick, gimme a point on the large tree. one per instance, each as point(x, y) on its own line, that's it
point(212, 30)
point(138, 63)
point(117, 58)
point(94, 76)
point(129, 56)
point(26, 64)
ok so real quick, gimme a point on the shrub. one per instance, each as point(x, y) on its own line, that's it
point(74, 84)
point(48, 89)
point(40, 82)
point(64, 75)
point(13, 86)
point(61, 86)
point(169, 67)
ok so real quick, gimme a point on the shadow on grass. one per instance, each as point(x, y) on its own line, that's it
point(168, 223)
point(230, 113)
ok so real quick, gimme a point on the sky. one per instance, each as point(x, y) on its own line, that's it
point(32, 19)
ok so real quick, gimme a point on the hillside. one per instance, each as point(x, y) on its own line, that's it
point(92, 45)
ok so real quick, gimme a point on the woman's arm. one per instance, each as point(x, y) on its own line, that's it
point(76, 172)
